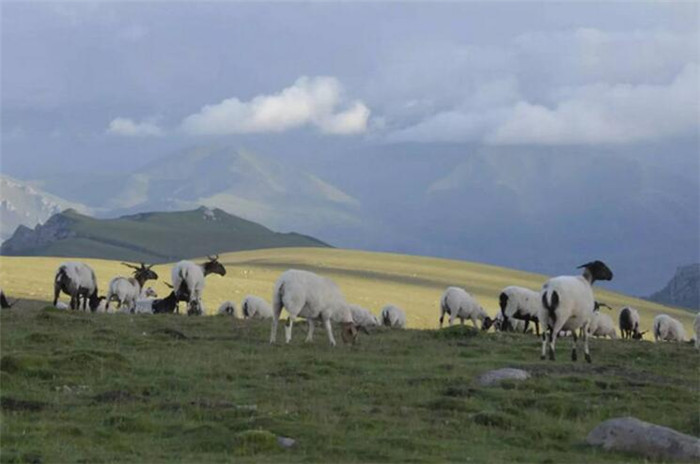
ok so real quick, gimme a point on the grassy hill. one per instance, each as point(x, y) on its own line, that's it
point(369, 279)
point(151, 237)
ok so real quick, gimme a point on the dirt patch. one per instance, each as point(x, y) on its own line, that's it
point(12, 404)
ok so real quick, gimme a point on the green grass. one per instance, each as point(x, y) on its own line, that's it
point(120, 388)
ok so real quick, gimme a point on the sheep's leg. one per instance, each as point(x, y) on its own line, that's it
point(329, 330)
point(275, 319)
point(442, 314)
point(544, 343)
point(574, 337)
point(552, 344)
point(473, 319)
point(527, 324)
point(310, 333)
point(56, 293)
point(73, 302)
point(537, 327)
point(586, 353)
point(288, 329)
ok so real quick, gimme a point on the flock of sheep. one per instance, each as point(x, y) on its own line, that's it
point(565, 305)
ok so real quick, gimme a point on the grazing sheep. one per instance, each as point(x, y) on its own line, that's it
point(668, 329)
point(4, 302)
point(126, 290)
point(227, 308)
point(602, 325)
point(165, 305)
point(363, 318)
point(512, 325)
point(696, 329)
point(458, 303)
point(522, 304)
point(629, 323)
point(254, 307)
point(567, 304)
point(188, 281)
point(393, 316)
point(78, 280)
point(305, 294)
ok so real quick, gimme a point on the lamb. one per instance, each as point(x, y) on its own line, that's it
point(393, 316)
point(363, 318)
point(521, 303)
point(78, 280)
point(696, 329)
point(308, 295)
point(165, 305)
point(188, 281)
point(458, 303)
point(254, 307)
point(567, 304)
point(227, 308)
point(667, 328)
point(127, 290)
point(629, 323)
point(4, 302)
point(602, 325)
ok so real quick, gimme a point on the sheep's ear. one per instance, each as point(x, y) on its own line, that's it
point(168, 285)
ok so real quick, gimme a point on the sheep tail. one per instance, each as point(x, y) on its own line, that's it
point(278, 301)
point(657, 331)
point(551, 306)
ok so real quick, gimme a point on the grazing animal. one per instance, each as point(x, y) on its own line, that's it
point(164, 305)
point(4, 302)
point(188, 281)
point(629, 324)
point(77, 280)
point(522, 304)
point(254, 307)
point(126, 290)
point(393, 316)
point(363, 318)
point(668, 329)
point(568, 304)
point(696, 329)
point(512, 325)
point(227, 308)
point(602, 325)
point(457, 302)
point(308, 295)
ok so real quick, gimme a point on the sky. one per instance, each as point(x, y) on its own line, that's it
point(89, 88)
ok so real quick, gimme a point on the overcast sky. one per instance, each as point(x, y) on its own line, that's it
point(85, 83)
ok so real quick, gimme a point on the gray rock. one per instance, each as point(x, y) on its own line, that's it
point(286, 442)
point(630, 435)
point(492, 378)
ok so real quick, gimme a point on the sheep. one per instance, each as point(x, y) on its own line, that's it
point(126, 290)
point(254, 307)
point(567, 304)
point(667, 328)
point(457, 302)
point(78, 280)
point(227, 308)
point(393, 316)
point(308, 295)
point(148, 292)
point(188, 280)
point(629, 323)
point(521, 303)
point(512, 325)
point(4, 302)
point(363, 318)
point(602, 325)
point(696, 329)
point(164, 305)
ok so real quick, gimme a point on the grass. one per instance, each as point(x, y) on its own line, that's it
point(369, 279)
point(79, 387)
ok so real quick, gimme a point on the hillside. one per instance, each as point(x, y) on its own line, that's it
point(682, 290)
point(369, 279)
point(149, 237)
point(22, 204)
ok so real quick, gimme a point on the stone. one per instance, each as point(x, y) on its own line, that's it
point(286, 442)
point(495, 377)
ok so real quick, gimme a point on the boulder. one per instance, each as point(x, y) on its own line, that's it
point(495, 377)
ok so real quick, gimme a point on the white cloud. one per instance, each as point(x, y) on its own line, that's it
point(310, 101)
point(129, 128)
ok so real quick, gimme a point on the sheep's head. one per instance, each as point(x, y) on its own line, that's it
point(596, 270)
point(600, 304)
point(349, 332)
point(149, 292)
point(638, 335)
point(486, 325)
point(213, 266)
point(94, 301)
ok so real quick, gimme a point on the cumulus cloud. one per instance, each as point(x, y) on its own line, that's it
point(310, 101)
point(129, 128)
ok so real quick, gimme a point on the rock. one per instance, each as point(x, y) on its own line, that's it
point(631, 435)
point(495, 377)
point(286, 442)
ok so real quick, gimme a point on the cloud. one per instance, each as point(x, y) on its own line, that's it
point(310, 101)
point(128, 128)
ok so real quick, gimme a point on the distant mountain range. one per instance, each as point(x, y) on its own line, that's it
point(148, 237)
point(683, 290)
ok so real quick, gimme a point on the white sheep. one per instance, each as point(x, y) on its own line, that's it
point(668, 329)
point(126, 290)
point(78, 280)
point(363, 318)
point(568, 304)
point(227, 308)
point(188, 281)
point(522, 304)
point(629, 323)
point(254, 307)
point(602, 325)
point(310, 296)
point(458, 303)
point(393, 316)
point(696, 329)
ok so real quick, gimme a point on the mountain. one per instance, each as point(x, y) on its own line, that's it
point(149, 237)
point(683, 290)
point(22, 204)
